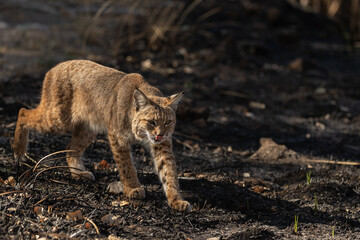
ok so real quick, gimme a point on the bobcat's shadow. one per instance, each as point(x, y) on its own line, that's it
point(233, 198)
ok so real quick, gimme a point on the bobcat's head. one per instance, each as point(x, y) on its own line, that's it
point(154, 119)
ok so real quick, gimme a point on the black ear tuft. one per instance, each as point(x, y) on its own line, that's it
point(140, 100)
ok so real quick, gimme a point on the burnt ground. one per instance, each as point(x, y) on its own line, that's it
point(272, 94)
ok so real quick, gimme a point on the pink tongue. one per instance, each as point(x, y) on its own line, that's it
point(158, 137)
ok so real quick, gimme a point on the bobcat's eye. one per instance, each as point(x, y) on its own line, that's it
point(168, 122)
point(151, 122)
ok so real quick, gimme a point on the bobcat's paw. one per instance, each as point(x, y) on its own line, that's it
point(83, 175)
point(18, 155)
point(136, 193)
point(181, 205)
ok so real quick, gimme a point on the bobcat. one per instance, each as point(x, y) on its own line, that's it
point(85, 98)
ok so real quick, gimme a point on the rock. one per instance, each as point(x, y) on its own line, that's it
point(259, 189)
point(10, 181)
point(88, 225)
point(320, 125)
point(257, 105)
point(296, 65)
point(301, 65)
point(3, 25)
point(40, 238)
point(200, 176)
point(115, 187)
point(188, 70)
point(119, 203)
point(9, 100)
point(320, 90)
point(75, 216)
point(114, 237)
point(38, 210)
point(103, 165)
point(246, 175)
point(111, 219)
point(217, 151)
point(344, 109)
point(148, 65)
point(270, 150)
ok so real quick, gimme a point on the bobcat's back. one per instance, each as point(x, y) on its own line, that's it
point(84, 92)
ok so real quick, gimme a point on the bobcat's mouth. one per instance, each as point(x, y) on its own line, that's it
point(155, 139)
point(158, 138)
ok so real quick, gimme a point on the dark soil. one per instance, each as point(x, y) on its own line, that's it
point(272, 94)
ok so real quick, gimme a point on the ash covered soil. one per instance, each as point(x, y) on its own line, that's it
point(268, 130)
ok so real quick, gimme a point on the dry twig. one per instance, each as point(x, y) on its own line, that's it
point(15, 191)
point(332, 162)
point(90, 221)
point(51, 154)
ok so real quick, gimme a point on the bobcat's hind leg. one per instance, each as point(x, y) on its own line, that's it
point(27, 120)
point(81, 138)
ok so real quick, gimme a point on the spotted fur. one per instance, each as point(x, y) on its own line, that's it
point(84, 98)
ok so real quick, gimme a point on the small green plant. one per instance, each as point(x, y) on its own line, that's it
point(333, 232)
point(308, 178)
point(296, 223)
point(315, 206)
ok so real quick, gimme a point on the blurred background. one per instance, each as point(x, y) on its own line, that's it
point(243, 64)
point(35, 35)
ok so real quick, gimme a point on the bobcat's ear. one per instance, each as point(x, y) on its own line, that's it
point(174, 100)
point(140, 100)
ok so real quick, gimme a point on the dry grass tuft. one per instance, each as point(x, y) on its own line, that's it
point(151, 22)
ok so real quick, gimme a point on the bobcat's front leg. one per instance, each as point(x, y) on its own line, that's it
point(166, 169)
point(127, 171)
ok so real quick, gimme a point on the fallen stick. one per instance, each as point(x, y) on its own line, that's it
point(40, 201)
point(332, 162)
point(16, 191)
point(234, 94)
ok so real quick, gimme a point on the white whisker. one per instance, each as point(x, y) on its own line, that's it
point(149, 137)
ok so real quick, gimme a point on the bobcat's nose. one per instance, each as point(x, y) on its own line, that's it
point(159, 137)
